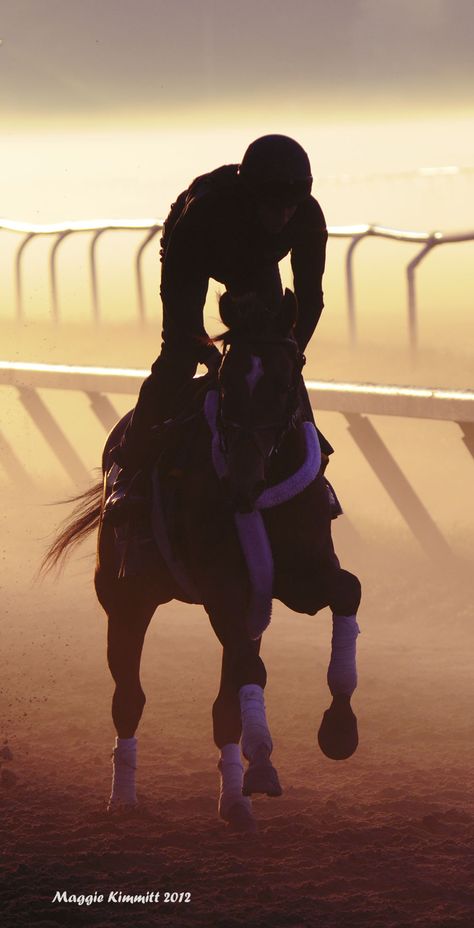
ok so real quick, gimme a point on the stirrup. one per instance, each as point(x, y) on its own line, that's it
point(126, 499)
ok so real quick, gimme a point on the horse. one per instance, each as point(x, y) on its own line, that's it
point(254, 525)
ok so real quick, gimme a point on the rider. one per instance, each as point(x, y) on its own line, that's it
point(234, 224)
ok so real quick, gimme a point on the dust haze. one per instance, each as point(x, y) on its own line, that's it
point(110, 110)
point(379, 840)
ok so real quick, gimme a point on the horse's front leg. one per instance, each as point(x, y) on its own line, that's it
point(239, 713)
point(234, 808)
point(126, 633)
point(338, 735)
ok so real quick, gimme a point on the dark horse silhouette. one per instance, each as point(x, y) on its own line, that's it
point(253, 513)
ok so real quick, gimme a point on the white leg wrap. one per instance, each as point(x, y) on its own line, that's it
point(255, 731)
point(232, 775)
point(124, 767)
point(342, 672)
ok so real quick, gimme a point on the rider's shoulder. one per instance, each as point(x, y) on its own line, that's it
point(208, 191)
point(310, 214)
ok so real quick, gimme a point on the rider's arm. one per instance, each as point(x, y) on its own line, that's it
point(184, 283)
point(308, 256)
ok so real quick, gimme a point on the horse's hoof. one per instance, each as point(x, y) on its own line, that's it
point(261, 777)
point(338, 736)
point(240, 819)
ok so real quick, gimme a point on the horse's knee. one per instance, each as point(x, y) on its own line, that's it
point(248, 667)
point(129, 699)
point(347, 594)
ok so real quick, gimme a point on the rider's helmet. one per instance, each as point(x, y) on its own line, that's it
point(277, 171)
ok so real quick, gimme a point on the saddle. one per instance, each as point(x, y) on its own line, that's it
point(158, 527)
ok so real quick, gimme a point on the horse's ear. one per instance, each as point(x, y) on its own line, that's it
point(288, 312)
point(244, 313)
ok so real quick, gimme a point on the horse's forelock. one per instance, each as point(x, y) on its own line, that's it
point(244, 313)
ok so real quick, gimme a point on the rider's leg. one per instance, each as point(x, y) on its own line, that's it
point(169, 374)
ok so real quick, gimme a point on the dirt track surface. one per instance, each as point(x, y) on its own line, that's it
point(383, 840)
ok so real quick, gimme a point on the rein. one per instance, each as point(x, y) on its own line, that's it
point(283, 426)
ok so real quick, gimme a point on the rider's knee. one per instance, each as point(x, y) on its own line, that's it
point(347, 596)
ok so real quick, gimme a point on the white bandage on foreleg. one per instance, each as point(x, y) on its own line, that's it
point(232, 777)
point(342, 671)
point(124, 768)
point(255, 731)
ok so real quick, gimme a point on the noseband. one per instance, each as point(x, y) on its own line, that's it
point(289, 419)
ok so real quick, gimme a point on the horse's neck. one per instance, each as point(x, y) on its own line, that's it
point(290, 456)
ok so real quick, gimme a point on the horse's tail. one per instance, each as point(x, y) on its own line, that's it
point(84, 519)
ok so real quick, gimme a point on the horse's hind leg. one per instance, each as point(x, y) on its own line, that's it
point(126, 633)
point(338, 735)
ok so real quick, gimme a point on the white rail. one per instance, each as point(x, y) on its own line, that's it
point(98, 227)
point(354, 400)
point(375, 399)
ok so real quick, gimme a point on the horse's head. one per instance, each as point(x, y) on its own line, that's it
point(258, 390)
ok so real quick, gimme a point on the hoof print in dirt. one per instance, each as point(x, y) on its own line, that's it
point(8, 778)
point(240, 820)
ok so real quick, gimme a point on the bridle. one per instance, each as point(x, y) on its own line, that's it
point(291, 415)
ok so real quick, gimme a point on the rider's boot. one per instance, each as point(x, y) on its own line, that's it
point(127, 498)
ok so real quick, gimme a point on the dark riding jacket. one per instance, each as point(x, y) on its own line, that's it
point(213, 230)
